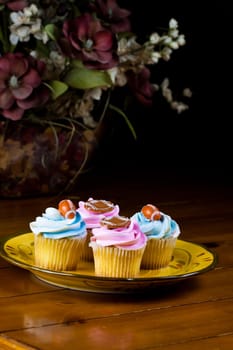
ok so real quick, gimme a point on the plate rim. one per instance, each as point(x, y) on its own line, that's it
point(34, 268)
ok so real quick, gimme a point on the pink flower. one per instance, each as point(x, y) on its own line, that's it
point(87, 40)
point(15, 5)
point(110, 12)
point(20, 85)
point(141, 86)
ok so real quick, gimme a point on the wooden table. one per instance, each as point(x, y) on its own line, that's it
point(193, 314)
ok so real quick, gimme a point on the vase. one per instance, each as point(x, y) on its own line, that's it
point(42, 159)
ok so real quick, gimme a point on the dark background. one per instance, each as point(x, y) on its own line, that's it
point(198, 140)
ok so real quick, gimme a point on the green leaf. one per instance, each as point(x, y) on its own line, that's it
point(42, 49)
point(83, 78)
point(52, 31)
point(77, 64)
point(57, 87)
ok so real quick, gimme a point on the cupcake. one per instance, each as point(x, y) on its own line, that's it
point(162, 233)
point(118, 246)
point(59, 237)
point(92, 212)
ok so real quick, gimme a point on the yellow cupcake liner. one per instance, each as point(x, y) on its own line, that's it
point(116, 262)
point(158, 253)
point(58, 254)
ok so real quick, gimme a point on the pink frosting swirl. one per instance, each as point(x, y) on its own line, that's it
point(93, 219)
point(129, 238)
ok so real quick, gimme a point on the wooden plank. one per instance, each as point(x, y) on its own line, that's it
point(65, 306)
point(221, 342)
point(205, 202)
point(140, 330)
point(4, 263)
point(26, 283)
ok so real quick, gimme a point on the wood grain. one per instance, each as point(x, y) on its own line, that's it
point(137, 330)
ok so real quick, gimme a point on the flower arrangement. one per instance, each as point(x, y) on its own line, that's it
point(60, 60)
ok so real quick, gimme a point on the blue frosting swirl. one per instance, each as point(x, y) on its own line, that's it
point(163, 228)
point(53, 225)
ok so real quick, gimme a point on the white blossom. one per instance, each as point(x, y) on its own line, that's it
point(181, 40)
point(166, 53)
point(20, 34)
point(179, 106)
point(26, 23)
point(174, 45)
point(173, 24)
point(174, 33)
point(166, 40)
point(187, 92)
point(155, 56)
point(58, 60)
point(31, 11)
point(117, 76)
point(154, 38)
point(94, 93)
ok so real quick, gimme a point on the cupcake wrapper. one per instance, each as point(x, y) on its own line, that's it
point(58, 254)
point(158, 253)
point(115, 262)
point(87, 251)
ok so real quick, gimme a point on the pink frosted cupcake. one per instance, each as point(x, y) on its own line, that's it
point(118, 246)
point(93, 211)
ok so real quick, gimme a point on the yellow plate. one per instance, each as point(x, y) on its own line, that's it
point(189, 259)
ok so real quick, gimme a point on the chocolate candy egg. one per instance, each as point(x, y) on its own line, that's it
point(67, 208)
point(115, 222)
point(98, 206)
point(151, 212)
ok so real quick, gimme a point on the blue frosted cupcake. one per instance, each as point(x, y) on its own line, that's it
point(161, 231)
point(59, 237)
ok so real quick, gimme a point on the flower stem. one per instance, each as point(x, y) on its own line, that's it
point(119, 111)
